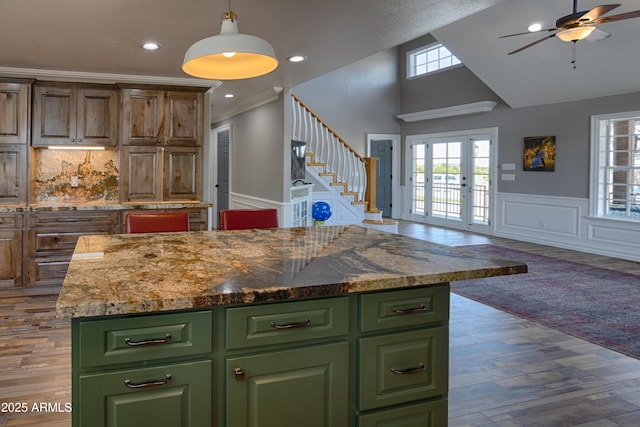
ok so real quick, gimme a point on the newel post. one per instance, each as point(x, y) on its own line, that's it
point(370, 191)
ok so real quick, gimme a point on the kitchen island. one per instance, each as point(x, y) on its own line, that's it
point(321, 326)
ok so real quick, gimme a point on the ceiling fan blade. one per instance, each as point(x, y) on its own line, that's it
point(620, 17)
point(597, 35)
point(532, 44)
point(598, 11)
point(527, 32)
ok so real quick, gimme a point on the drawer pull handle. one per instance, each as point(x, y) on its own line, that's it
point(416, 370)
point(420, 309)
point(149, 384)
point(306, 322)
point(164, 340)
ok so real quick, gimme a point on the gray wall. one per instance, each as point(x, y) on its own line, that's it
point(569, 122)
point(358, 99)
point(258, 165)
point(455, 86)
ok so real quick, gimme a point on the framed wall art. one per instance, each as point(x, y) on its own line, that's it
point(539, 153)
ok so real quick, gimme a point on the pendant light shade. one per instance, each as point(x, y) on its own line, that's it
point(230, 55)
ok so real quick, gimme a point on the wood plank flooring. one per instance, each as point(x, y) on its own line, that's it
point(505, 371)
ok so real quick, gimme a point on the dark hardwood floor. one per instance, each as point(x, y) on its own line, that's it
point(505, 371)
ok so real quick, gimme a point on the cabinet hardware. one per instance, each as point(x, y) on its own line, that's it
point(416, 370)
point(239, 373)
point(164, 340)
point(149, 384)
point(306, 322)
point(420, 309)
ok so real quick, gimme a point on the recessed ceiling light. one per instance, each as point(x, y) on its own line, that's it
point(296, 58)
point(151, 46)
point(535, 27)
point(229, 95)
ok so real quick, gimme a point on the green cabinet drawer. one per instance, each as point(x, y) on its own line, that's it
point(403, 367)
point(292, 388)
point(428, 414)
point(175, 395)
point(290, 322)
point(404, 308)
point(144, 338)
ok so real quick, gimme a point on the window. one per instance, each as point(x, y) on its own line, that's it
point(429, 59)
point(615, 154)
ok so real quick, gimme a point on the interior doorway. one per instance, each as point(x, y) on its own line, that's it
point(386, 147)
point(220, 170)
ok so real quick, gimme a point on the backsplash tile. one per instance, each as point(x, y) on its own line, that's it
point(53, 172)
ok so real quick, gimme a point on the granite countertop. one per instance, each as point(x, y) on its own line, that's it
point(124, 274)
point(99, 205)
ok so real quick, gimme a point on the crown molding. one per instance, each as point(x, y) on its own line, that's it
point(456, 110)
point(79, 76)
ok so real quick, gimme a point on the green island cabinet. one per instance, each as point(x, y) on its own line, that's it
point(372, 359)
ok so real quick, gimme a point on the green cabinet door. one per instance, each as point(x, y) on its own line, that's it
point(403, 367)
point(304, 387)
point(426, 414)
point(175, 395)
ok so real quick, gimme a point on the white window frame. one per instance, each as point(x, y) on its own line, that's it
point(437, 46)
point(600, 153)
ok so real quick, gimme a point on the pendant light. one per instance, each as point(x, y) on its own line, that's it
point(230, 55)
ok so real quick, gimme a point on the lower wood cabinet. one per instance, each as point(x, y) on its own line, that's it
point(376, 359)
point(11, 252)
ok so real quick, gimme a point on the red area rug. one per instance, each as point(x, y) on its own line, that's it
point(599, 305)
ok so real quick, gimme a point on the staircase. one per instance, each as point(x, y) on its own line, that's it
point(343, 178)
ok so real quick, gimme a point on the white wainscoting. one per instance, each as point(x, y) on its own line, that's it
point(564, 222)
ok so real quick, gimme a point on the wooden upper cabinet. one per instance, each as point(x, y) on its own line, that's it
point(159, 117)
point(13, 174)
point(72, 114)
point(14, 112)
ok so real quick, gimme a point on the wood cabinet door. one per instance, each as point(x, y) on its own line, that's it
point(14, 113)
point(141, 173)
point(13, 174)
point(54, 115)
point(175, 395)
point(301, 387)
point(142, 117)
point(183, 114)
point(97, 117)
point(182, 173)
point(10, 258)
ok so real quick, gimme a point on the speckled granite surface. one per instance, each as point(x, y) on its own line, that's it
point(123, 274)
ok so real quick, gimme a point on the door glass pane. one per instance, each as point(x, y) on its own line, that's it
point(480, 181)
point(445, 175)
point(418, 175)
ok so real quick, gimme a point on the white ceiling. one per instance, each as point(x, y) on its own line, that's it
point(104, 36)
point(101, 37)
point(543, 74)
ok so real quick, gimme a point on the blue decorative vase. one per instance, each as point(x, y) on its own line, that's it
point(321, 211)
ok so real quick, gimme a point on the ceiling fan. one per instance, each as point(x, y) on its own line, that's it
point(579, 25)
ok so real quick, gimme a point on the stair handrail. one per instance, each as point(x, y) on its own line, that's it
point(340, 158)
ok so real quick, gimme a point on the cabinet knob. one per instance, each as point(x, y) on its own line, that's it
point(239, 374)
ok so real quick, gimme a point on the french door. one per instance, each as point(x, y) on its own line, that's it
point(450, 179)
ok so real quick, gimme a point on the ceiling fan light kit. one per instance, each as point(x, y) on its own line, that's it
point(576, 33)
point(230, 55)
